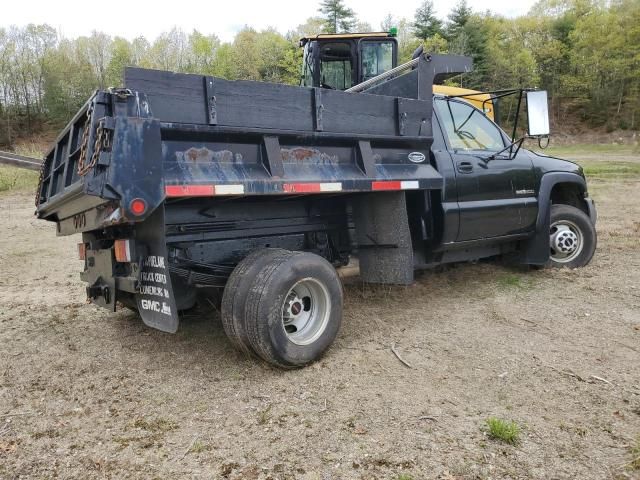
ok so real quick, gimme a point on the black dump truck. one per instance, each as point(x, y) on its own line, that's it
point(186, 185)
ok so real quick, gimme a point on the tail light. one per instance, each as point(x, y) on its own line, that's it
point(82, 251)
point(122, 250)
point(138, 206)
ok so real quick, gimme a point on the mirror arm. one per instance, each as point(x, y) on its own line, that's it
point(512, 155)
point(517, 118)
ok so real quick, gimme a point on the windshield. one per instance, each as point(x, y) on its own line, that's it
point(377, 58)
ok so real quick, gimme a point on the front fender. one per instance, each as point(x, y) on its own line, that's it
point(536, 249)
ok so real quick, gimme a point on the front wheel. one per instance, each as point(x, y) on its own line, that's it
point(572, 237)
point(293, 309)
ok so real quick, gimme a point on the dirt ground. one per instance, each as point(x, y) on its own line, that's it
point(85, 393)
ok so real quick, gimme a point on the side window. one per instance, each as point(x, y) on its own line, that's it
point(466, 128)
point(307, 67)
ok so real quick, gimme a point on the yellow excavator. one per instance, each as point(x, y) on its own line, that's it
point(341, 61)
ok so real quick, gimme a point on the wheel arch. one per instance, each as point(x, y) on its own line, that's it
point(555, 187)
point(559, 187)
point(569, 193)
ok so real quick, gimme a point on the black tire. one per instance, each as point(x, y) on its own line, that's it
point(285, 346)
point(235, 293)
point(578, 225)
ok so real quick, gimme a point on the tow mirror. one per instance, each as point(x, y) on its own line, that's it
point(538, 113)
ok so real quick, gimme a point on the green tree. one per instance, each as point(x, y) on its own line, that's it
point(606, 59)
point(121, 57)
point(69, 81)
point(426, 24)
point(202, 52)
point(457, 20)
point(407, 42)
point(312, 26)
point(276, 57)
point(225, 62)
point(246, 54)
point(97, 49)
point(337, 16)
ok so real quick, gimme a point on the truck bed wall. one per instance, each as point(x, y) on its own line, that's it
point(205, 100)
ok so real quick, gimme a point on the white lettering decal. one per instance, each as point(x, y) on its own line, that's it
point(166, 309)
point(154, 261)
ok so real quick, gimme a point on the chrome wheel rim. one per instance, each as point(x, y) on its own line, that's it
point(305, 312)
point(566, 241)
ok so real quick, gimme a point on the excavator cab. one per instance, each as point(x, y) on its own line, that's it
point(340, 61)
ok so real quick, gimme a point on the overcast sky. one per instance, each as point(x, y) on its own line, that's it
point(223, 18)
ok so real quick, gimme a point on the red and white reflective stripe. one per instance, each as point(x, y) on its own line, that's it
point(312, 187)
point(316, 187)
point(395, 185)
point(188, 190)
point(203, 190)
point(122, 250)
point(229, 189)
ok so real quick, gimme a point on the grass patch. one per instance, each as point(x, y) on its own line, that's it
point(579, 148)
point(634, 464)
point(156, 425)
point(49, 433)
point(12, 178)
point(611, 169)
point(508, 281)
point(264, 415)
point(404, 476)
point(29, 150)
point(504, 430)
point(199, 447)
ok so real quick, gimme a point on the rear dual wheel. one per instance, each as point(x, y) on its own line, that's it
point(285, 307)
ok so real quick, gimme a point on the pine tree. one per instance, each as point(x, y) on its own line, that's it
point(458, 18)
point(426, 24)
point(337, 16)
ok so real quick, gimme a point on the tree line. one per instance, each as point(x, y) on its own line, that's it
point(585, 53)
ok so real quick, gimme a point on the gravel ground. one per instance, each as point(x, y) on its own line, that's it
point(85, 393)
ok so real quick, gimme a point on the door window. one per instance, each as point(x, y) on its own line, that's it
point(336, 70)
point(466, 127)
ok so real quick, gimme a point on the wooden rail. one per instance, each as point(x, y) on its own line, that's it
point(20, 161)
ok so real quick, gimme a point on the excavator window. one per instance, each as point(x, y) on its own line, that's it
point(376, 58)
point(307, 66)
point(336, 66)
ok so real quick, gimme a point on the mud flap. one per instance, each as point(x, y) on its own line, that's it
point(155, 297)
point(383, 236)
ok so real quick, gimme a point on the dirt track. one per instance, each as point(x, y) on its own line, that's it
point(89, 394)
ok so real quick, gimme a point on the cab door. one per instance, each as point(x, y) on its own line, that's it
point(496, 196)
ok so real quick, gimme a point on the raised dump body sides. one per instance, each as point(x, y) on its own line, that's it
point(169, 133)
point(194, 171)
